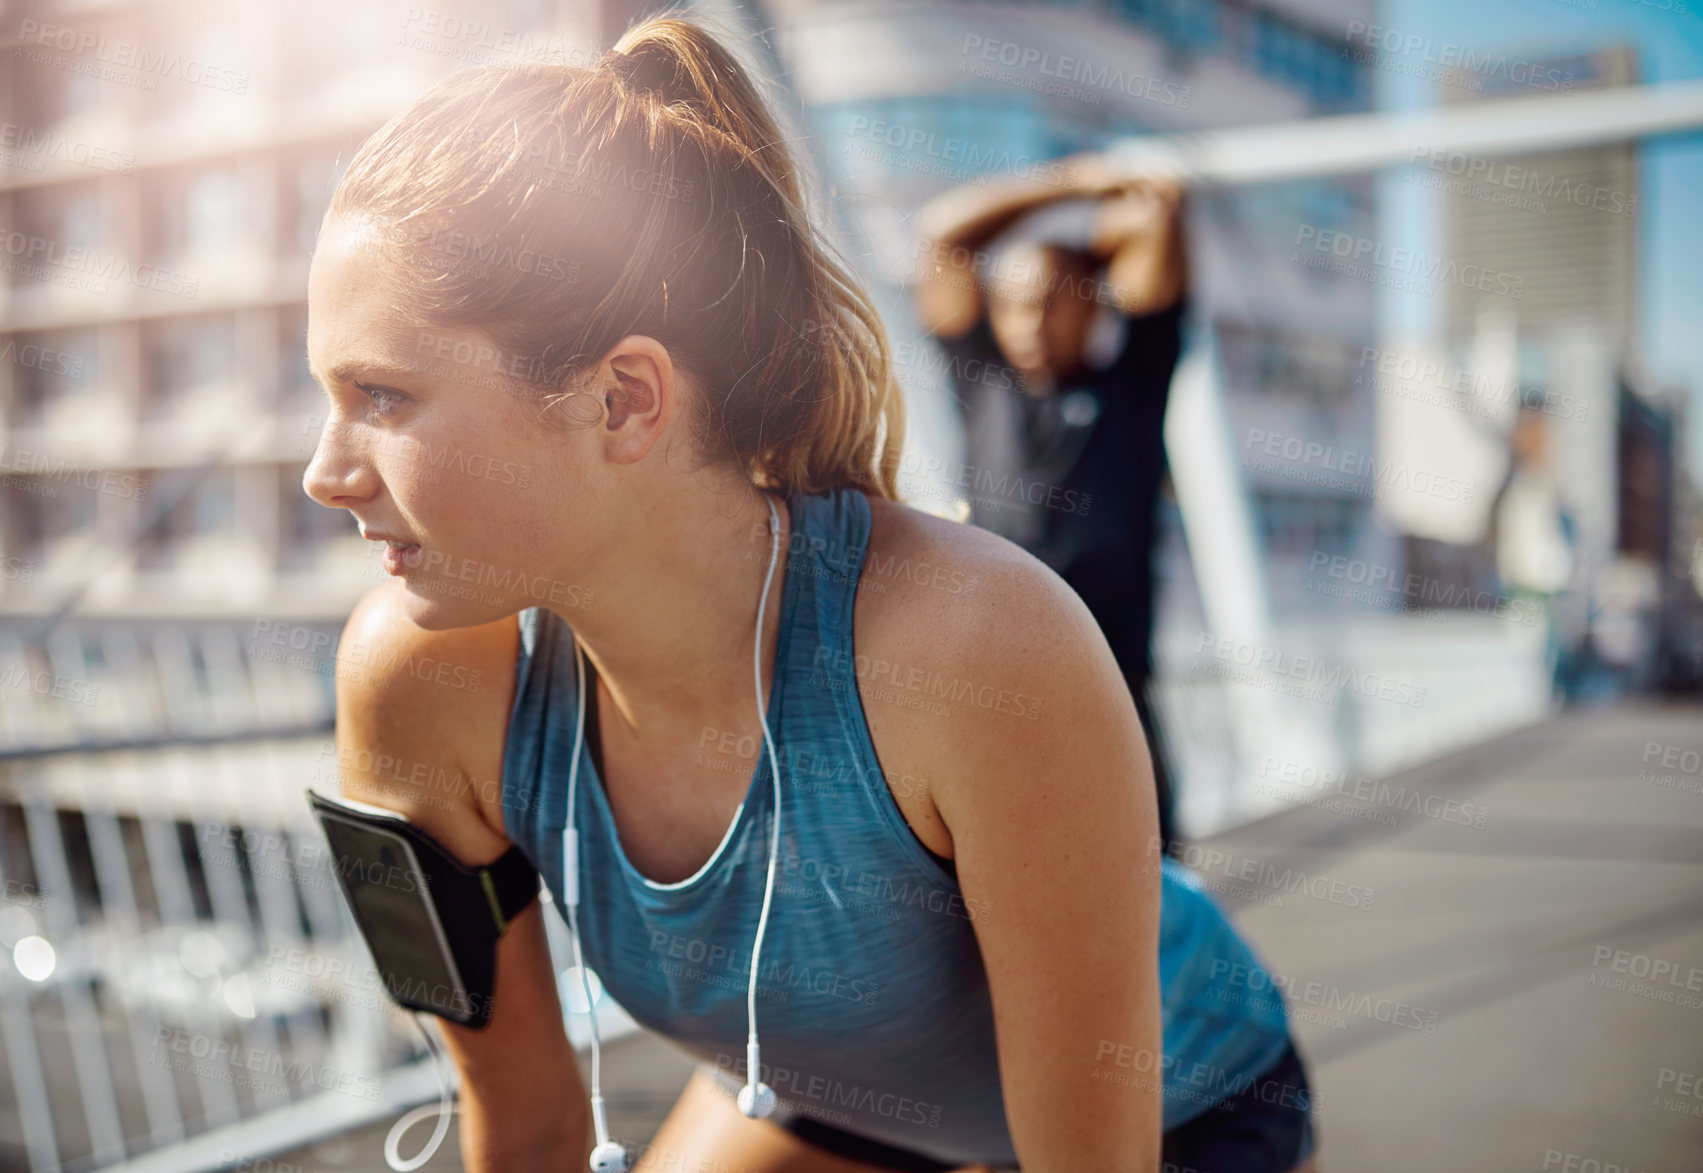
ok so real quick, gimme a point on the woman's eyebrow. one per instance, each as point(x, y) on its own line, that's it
point(346, 370)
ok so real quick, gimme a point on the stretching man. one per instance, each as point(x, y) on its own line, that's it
point(1062, 358)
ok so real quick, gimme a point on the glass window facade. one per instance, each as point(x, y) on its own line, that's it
point(1310, 60)
point(201, 504)
point(182, 355)
point(1297, 525)
point(47, 367)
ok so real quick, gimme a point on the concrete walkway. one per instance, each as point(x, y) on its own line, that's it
point(1524, 994)
point(1536, 940)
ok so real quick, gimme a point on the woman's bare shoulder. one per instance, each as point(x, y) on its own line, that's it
point(422, 716)
point(982, 672)
point(951, 583)
point(989, 624)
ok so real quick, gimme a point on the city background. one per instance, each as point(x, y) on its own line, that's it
point(170, 600)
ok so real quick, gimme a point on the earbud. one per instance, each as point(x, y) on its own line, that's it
point(756, 1098)
point(609, 1157)
point(757, 1102)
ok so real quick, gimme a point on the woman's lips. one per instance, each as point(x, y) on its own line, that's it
point(400, 556)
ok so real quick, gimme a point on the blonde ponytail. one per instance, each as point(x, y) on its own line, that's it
point(658, 179)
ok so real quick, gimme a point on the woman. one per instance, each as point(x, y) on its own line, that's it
point(621, 418)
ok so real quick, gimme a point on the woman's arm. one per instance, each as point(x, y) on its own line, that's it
point(1054, 823)
point(435, 753)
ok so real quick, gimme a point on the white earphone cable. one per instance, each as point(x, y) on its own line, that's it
point(607, 1156)
point(756, 1099)
point(443, 1109)
point(762, 1105)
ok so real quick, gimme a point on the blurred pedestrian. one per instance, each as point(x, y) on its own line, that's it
point(1533, 535)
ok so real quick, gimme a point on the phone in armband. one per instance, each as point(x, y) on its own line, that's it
point(430, 921)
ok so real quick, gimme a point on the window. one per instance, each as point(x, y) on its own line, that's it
point(1263, 41)
point(201, 504)
point(1295, 525)
point(310, 180)
point(48, 506)
point(1272, 45)
point(183, 356)
point(205, 53)
point(1276, 210)
point(1336, 79)
point(47, 94)
point(206, 211)
point(214, 213)
point(296, 388)
point(1305, 60)
point(969, 133)
point(48, 367)
point(306, 525)
point(1193, 24)
point(60, 219)
point(1144, 12)
point(1314, 369)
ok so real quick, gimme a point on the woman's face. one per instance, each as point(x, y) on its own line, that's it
point(427, 443)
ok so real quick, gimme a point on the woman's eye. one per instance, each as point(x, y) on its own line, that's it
point(383, 399)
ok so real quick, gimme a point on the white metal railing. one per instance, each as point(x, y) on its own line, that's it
point(112, 682)
point(1472, 676)
point(163, 901)
point(182, 982)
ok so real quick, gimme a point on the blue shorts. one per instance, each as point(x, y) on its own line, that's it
point(1265, 1128)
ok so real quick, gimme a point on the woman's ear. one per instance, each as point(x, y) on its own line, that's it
point(640, 382)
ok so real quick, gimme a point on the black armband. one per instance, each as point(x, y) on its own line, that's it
point(431, 922)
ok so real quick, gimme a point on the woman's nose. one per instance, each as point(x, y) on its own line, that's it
point(339, 473)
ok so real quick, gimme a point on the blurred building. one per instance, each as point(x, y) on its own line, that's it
point(1565, 226)
point(907, 101)
point(1567, 221)
point(164, 171)
point(168, 594)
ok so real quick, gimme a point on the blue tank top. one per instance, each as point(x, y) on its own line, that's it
point(872, 1003)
